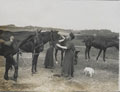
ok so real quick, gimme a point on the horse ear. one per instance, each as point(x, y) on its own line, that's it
point(51, 30)
point(40, 30)
point(57, 31)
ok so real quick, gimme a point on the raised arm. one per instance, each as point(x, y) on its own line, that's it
point(63, 38)
point(60, 46)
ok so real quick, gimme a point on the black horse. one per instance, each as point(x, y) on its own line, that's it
point(33, 44)
point(25, 41)
point(9, 51)
point(101, 43)
point(47, 36)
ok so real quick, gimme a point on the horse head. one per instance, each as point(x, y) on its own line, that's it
point(54, 37)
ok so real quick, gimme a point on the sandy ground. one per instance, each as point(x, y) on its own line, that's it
point(104, 80)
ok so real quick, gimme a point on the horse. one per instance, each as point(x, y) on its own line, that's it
point(47, 36)
point(101, 43)
point(33, 44)
point(9, 51)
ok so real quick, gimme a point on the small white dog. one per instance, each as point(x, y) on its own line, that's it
point(89, 71)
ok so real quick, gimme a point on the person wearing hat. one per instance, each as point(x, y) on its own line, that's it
point(68, 61)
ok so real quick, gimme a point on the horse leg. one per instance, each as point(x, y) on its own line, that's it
point(62, 57)
point(15, 64)
point(104, 51)
point(56, 51)
point(33, 63)
point(35, 60)
point(99, 54)
point(86, 50)
point(7, 67)
point(89, 52)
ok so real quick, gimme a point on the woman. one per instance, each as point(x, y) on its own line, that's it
point(68, 61)
point(49, 60)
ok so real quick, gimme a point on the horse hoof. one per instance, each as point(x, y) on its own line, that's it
point(56, 62)
point(33, 73)
point(14, 79)
point(6, 78)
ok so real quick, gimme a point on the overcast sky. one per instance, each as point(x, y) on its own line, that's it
point(68, 14)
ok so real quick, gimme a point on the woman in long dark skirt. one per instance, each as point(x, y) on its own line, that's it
point(68, 61)
point(49, 60)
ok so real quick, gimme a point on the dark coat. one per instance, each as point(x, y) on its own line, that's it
point(68, 61)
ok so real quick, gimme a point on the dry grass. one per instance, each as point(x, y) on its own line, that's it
point(104, 80)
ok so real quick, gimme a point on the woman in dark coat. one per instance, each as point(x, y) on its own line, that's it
point(68, 61)
point(49, 60)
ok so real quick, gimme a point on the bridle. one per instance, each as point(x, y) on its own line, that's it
point(37, 37)
point(52, 38)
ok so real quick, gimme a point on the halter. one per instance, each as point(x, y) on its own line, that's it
point(51, 36)
point(38, 45)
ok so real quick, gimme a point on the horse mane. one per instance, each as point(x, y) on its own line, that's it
point(29, 38)
point(19, 32)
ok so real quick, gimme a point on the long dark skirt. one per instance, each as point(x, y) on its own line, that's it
point(49, 60)
point(68, 65)
point(68, 61)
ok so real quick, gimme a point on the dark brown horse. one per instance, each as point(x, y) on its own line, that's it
point(33, 44)
point(25, 41)
point(9, 51)
point(101, 43)
point(52, 36)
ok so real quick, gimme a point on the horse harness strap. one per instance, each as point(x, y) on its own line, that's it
point(22, 51)
point(51, 36)
point(39, 45)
